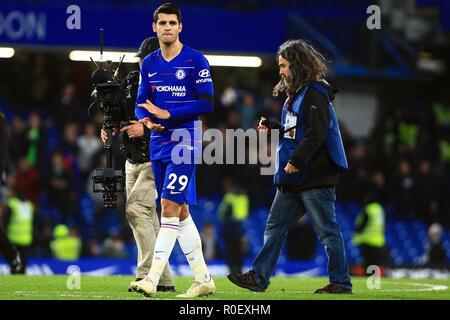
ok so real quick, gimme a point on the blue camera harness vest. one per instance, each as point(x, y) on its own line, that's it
point(294, 128)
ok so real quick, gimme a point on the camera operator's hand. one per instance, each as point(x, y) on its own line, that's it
point(261, 126)
point(289, 169)
point(134, 130)
point(151, 125)
point(154, 110)
point(104, 136)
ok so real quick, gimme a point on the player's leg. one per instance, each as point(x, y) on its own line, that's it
point(166, 283)
point(165, 241)
point(142, 216)
point(191, 244)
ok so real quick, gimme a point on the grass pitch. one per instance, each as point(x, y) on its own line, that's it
point(20, 287)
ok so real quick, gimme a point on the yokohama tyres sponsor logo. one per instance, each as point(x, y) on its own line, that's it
point(177, 91)
point(170, 88)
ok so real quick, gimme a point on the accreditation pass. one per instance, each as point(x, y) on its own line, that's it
point(290, 125)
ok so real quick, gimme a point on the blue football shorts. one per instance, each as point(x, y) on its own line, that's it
point(175, 182)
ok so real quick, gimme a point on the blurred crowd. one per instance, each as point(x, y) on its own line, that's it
point(55, 147)
point(404, 163)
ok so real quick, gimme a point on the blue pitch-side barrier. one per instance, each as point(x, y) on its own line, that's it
point(107, 266)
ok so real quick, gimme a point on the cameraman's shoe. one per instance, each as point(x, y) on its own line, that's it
point(16, 265)
point(246, 280)
point(132, 286)
point(165, 289)
point(333, 289)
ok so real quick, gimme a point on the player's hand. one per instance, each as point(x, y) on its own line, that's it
point(262, 127)
point(289, 169)
point(134, 130)
point(151, 125)
point(154, 110)
point(104, 136)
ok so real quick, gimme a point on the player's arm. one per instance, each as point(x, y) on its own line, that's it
point(143, 92)
point(204, 92)
point(183, 113)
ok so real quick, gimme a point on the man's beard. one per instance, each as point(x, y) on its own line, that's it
point(286, 81)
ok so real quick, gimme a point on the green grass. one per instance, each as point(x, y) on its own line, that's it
point(19, 287)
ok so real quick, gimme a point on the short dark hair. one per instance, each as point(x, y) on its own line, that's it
point(167, 8)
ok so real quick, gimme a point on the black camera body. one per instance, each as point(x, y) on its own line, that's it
point(137, 149)
point(116, 100)
point(110, 98)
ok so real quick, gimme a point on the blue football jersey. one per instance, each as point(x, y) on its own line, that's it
point(175, 86)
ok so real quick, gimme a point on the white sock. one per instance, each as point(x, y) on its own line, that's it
point(164, 244)
point(191, 244)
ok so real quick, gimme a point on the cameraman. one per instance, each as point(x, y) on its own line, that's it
point(140, 184)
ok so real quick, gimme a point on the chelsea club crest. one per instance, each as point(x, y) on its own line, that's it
point(180, 74)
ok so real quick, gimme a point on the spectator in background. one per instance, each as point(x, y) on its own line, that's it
point(232, 212)
point(66, 245)
point(71, 151)
point(28, 180)
point(425, 191)
point(70, 108)
point(233, 120)
point(357, 177)
point(378, 186)
point(402, 190)
point(249, 111)
point(273, 109)
point(19, 223)
point(90, 145)
point(37, 140)
point(69, 143)
point(18, 145)
point(112, 246)
point(369, 232)
point(59, 187)
point(210, 244)
point(229, 97)
point(434, 255)
point(301, 241)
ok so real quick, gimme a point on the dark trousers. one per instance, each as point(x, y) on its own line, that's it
point(10, 251)
point(6, 246)
point(373, 255)
point(234, 255)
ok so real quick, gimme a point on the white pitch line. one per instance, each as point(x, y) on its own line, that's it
point(430, 287)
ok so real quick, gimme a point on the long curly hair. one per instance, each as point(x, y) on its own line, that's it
point(306, 65)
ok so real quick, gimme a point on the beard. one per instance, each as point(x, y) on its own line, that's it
point(284, 85)
point(286, 81)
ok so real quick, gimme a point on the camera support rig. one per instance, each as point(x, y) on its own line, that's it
point(107, 92)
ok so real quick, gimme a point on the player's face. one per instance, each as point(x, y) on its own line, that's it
point(167, 28)
point(285, 70)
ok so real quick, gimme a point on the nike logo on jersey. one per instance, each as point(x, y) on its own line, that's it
point(152, 74)
point(171, 192)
